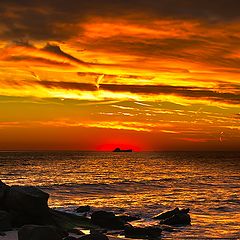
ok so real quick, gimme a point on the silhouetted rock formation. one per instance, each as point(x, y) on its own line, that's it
point(174, 217)
point(5, 221)
point(177, 219)
point(126, 218)
point(3, 191)
point(83, 209)
point(31, 232)
point(107, 220)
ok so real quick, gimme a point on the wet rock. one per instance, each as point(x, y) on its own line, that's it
point(166, 214)
point(83, 209)
point(94, 236)
point(5, 221)
point(68, 221)
point(33, 232)
point(28, 200)
point(177, 219)
point(142, 232)
point(127, 218)
point(107, 220)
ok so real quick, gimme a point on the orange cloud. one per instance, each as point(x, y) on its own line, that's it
point(166, 67)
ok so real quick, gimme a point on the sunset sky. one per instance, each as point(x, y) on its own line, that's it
point(141, 74)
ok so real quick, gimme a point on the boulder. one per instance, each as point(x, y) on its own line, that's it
point(166, 214)
point(83, 209)
point(34, 232)
point(3, 191)
point(66, 220)
point(171, 213)
point(107, 220)
point(177, 219)
point(185, 210)
point(19, 219)
point(127, 218)
point(142, 232)
point(5, 221)
point(27, 200)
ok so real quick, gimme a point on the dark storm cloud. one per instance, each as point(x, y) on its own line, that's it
point(58, 19)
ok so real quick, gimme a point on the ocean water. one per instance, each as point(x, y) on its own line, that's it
point(138, 183)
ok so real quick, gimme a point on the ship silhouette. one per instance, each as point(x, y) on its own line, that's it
point(122, 150)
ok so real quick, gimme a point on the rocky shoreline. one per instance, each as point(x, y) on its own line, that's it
point(26, 209)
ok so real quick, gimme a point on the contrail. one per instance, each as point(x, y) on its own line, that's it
point(221, 137)
point(35, 75)
point(98, 80)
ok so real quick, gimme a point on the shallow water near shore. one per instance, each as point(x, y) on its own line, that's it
point(138, 183)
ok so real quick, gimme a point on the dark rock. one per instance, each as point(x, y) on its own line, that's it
point(171, 213)
point(185, 210)
point(107, 220)
point(167, 214)
point(68, 221)
point(3, 190)
point(28, 205)
point(70, 238)
point(19, 219)
point(83, 209)
point(127, 218)
point(33, 232)
point(94, 236)
point(28, 200)
point(178, 219)
point(5, 221)
point(142, 232)
point(76, 231)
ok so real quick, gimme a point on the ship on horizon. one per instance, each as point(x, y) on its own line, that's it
point(122, 150)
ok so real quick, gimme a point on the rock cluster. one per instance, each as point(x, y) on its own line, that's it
point(26, 208)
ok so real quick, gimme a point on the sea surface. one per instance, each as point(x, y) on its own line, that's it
point(141, 183)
